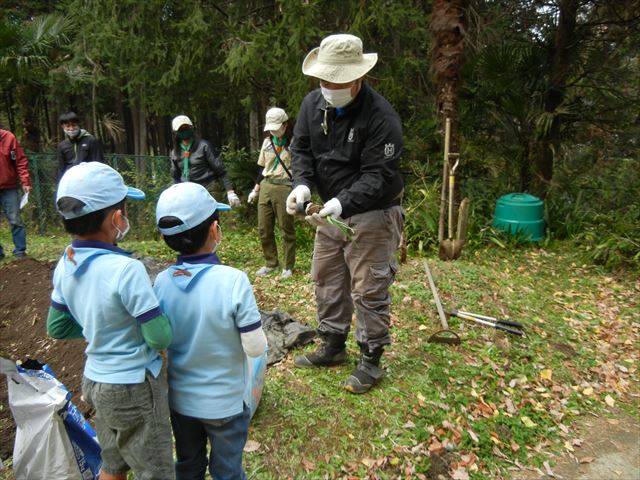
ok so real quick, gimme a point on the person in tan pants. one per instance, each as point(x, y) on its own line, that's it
point(272, 188)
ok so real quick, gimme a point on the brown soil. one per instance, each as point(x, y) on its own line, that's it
point(25, 289)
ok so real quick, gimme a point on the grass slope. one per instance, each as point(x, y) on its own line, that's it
point(478, 410)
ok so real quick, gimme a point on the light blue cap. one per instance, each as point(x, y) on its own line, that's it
point(95, 184)
point(190, 202)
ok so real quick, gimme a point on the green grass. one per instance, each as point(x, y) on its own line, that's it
point(581, 324)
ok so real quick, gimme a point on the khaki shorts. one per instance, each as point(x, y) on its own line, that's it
point(133, 426)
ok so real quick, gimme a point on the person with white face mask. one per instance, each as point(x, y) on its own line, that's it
point(347, 144)
point(193, 159)
point(273, 185)
point(77, 146)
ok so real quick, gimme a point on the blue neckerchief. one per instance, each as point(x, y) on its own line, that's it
point(339, 111)
point(96, 244)
point(210, 258)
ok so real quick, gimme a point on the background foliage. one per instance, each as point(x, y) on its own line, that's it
point(128, 67)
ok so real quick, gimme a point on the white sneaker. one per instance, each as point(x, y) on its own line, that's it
point(265, 271)
point(286, 273)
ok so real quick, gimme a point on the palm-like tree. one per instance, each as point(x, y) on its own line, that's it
point(27, 52)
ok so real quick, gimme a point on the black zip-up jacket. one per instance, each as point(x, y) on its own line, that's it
point(83, 148)
point(354, 155)
point(204, 165)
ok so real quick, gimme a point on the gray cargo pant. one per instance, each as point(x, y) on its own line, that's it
point(357, 273)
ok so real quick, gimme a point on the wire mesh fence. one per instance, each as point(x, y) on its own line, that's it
point(149, 173)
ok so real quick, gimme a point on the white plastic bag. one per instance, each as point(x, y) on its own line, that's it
point(52, 438)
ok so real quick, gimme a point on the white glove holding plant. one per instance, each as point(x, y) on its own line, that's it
point(234, 200)
point(333, 207)
point(253, 195)
point(298, 196)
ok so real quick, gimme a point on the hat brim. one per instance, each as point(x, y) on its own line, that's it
point(222, 207)
point(337, 72)
point(272, 126)
point(135, 193)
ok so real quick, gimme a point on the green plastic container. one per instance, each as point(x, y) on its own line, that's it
point(520, 213)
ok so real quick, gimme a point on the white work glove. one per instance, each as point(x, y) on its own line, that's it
point(332, 208)
point(298, 196)
point(234, 200)
point(252, 196)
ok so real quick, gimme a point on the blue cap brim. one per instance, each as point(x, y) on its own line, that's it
point(135, 193)
point(222, 207)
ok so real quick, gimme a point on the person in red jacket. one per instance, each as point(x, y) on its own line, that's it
point(13, 168)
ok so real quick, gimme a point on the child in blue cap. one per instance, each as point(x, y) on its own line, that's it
point(102, 294)
point(215, 321)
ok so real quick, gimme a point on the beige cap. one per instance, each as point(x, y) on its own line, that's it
point(180, 120)
point(339, 59)
point(275, 117)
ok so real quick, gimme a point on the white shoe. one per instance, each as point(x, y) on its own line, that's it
point(286, 273)
point(265, 271)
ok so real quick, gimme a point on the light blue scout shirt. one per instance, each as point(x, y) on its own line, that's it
point(208, 305)
point(109, 294)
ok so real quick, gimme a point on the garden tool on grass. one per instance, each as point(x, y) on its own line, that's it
point(508, 326)
point(444, 335)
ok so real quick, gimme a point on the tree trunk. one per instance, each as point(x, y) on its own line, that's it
point(564, 46)
point(28, 100)
point(447, 34)
point(448, 24)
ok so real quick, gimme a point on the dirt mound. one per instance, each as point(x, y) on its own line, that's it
point(25, 290)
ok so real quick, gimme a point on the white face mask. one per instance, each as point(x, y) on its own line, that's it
point(277, 133)
point(122, 233)
point(337, 98)
point(72, 132)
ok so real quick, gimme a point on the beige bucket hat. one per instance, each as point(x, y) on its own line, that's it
point(339, 59)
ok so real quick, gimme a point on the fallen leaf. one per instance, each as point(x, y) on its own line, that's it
point(609, 401)
point(308, 466)
point(586, 460)
point(460, 474)
point(473, 435)
point(527, 422)
point(251, 446)
point(548, 470)
point(368, 462)
point(546, 374)
point(409, 424)
point(588, 391)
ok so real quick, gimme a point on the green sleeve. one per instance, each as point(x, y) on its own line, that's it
point(62, 325)
point(157, 332)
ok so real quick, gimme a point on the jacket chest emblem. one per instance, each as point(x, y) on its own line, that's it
point(350, 137)
point(389, 149)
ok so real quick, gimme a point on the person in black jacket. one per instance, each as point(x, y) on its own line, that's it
point(193, 160)
point(347, 143)
point(78, 145)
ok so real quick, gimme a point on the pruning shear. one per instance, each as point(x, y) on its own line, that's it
point(508, 326)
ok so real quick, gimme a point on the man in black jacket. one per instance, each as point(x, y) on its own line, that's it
point(78, 145)
point(347, 143)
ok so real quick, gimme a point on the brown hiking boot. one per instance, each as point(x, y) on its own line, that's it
point(332, 351)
